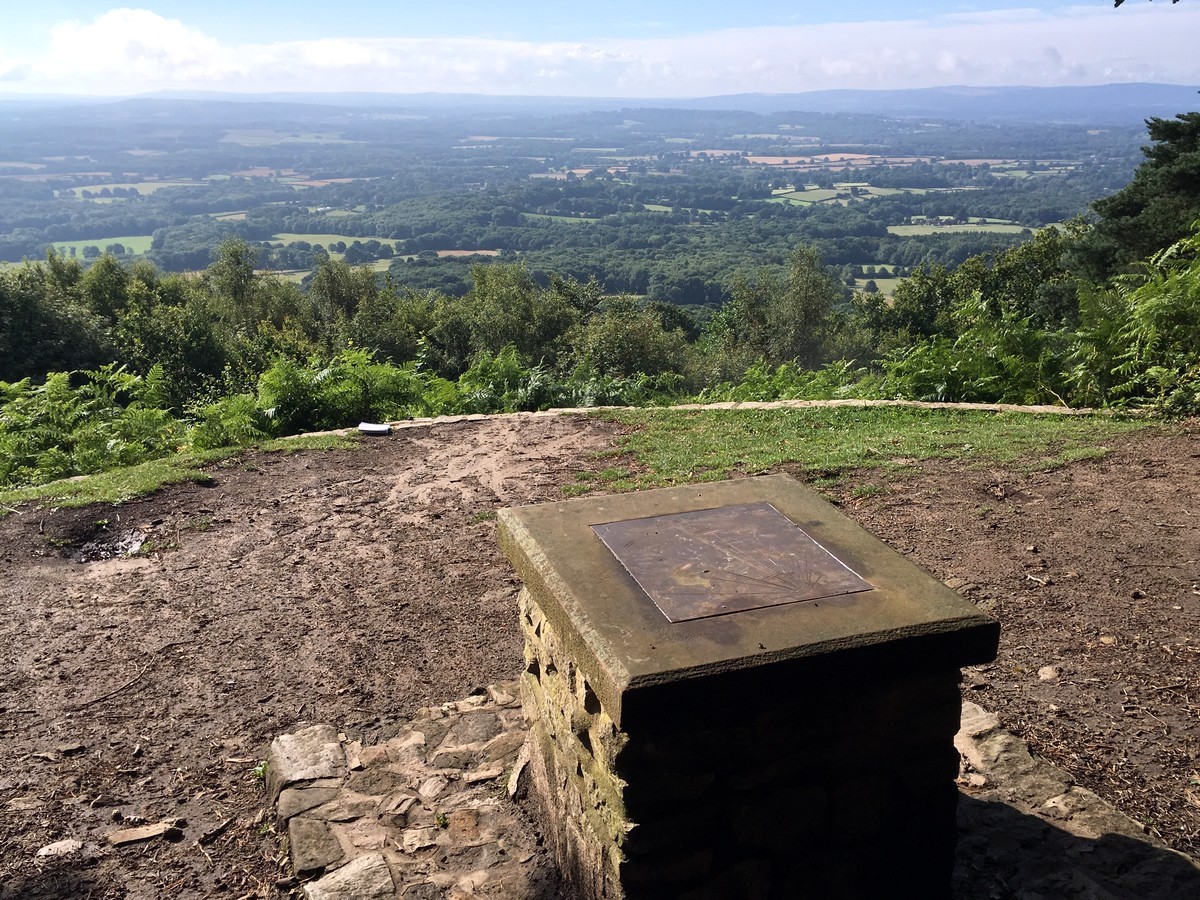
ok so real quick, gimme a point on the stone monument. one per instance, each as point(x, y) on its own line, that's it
point(733, 691)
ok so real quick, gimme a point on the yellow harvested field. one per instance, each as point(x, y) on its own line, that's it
point(264, 172)
point(976, 162)
point(468, 253)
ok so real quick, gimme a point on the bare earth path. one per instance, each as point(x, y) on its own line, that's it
point(353, 587)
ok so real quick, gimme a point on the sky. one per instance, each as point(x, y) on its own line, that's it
point(619, 48)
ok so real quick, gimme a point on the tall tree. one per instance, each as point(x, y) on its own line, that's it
point(1157, 208)
point(783, 318)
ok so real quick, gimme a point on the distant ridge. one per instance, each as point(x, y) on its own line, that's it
point(1107, 104)
point(1099, 105)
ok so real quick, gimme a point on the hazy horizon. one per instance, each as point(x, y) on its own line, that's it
point(636, 50)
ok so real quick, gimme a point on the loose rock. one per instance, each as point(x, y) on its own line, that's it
point(166, 830)
point(60, 848)
point(1050, 673)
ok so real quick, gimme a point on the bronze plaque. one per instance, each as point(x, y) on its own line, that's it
point(726, 560)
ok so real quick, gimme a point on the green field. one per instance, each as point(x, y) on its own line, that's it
point(572, 220)
point(811, 194)
point(142, 187)
point(138, 243)
point(887, 286)
point(260, 137)
point(916, 230)
point(326, 239)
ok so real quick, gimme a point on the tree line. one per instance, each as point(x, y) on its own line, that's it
point(117, 362)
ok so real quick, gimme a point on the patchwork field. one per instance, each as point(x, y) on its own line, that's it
point(142, 187)
point(137, 243)
point(972, 228)
point(288, 237)
point(259, 137)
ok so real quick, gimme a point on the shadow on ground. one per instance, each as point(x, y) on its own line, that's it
point(1004, 853)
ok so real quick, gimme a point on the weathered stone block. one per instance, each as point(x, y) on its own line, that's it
point(313, 845)
point(366, 878)
point(646, 733)
point(304, 756)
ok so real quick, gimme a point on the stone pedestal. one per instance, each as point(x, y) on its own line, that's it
point(800, 746)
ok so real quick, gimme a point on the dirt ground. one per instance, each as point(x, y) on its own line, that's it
point(352, 587)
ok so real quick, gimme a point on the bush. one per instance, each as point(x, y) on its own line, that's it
point(54, 430)
point(350, 389)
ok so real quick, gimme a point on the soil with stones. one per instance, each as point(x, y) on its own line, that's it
point(352, 587)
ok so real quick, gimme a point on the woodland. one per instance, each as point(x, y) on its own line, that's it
point(189, 275)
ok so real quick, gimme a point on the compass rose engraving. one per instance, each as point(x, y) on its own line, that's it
point(714, 562)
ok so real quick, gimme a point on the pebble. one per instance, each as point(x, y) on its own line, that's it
point(60, 848)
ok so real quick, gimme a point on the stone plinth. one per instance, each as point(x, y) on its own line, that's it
point(787, 749)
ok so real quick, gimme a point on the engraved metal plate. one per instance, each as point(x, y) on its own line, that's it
point(717, 561)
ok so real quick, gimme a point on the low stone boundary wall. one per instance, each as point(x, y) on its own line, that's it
point(1025, 829)
point(422, 815)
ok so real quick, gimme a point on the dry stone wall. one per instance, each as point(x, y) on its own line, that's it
point(779, 782)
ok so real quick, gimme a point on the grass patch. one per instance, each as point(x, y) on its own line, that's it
point(918, 230)
point(324, 441)
point(570, 220)
point(326, 239)
point(142, 187)
point(119, 485)
point(137, 243)
point(683, 446)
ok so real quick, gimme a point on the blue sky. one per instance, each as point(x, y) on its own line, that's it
point(616, 48)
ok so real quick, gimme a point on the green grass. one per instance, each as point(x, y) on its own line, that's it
point(680, 446)
point(259, 137)
point(142, 187)
point(571, 220)
point(326, 239)
point(887, 285)
point(137, 243)
point(912, 230)
point(119, 485)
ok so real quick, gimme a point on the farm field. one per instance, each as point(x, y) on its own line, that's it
point(144, 188)
point(256, 137)
point(574, 220)
point(137, 243)
point(326, 239)
point(972, 228)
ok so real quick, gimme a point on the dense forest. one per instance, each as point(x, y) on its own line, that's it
point(664, 203)
point(195, 280)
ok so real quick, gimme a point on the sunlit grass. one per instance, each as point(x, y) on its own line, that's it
point(119, 485)
point(670, 447)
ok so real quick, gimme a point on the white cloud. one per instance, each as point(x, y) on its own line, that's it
point(134, 47)
point(135, 50)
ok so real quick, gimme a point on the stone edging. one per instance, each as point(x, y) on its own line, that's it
point(429, 813)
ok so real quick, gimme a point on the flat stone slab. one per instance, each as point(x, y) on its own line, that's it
point(426, 813)
point(1025, 830)
point(715, 562)
point(631, 651)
